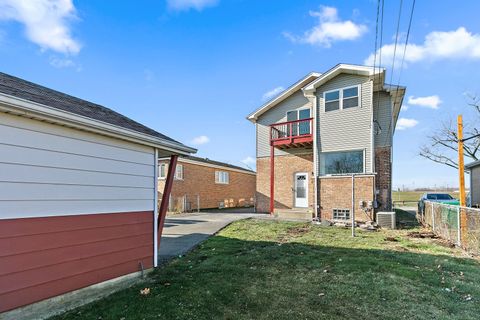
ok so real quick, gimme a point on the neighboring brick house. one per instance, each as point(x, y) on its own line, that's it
point(202, 183)
point(317, 134)
point(474, 169)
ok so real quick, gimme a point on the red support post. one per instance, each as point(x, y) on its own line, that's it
point(272, 178)
point(166, 194)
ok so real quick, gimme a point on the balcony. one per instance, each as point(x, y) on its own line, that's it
point(292, 134)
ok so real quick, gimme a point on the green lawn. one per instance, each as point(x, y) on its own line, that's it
point(259, 269)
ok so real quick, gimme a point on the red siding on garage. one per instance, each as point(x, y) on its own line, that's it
point(44, 257)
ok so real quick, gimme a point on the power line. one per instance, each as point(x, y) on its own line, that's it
point(403, 57)
point(406, 42)
point(379, 57)
point(396, 40)
point(376, 39)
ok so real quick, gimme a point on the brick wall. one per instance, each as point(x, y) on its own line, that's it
point(285, 168)
point(336, 192)
point(383, 181)
point(200, 180)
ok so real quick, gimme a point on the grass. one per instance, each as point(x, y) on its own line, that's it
point(259, 269)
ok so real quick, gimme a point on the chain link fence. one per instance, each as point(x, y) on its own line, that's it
point(446, 221)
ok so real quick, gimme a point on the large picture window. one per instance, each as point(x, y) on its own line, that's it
point(342, 99)
point(345, 162)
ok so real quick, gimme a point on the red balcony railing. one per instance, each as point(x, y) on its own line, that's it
point(292, 133)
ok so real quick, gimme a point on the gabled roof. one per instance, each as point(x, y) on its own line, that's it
point(11, 86)
point(335, 71)
point(210, 162)
point(282, 96)
point(216, 163)
point(472, 164)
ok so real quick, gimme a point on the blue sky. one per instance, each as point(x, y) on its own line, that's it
point(193, 69)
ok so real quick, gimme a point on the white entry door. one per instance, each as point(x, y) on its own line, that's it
point(301, 190)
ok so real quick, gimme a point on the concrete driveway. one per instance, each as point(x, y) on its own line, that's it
point(183, 232)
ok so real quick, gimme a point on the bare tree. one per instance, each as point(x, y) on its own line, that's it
point(442, 145)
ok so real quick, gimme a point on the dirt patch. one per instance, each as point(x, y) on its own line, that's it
point(294, 232)
point(392, 239)
point(298, 231)
point(444, 243)
point(423, 235)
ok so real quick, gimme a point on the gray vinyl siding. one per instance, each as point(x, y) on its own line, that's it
point(50, 170)
point(349, 129)
point(475, 185)
point(382, 113)
point(278, 114)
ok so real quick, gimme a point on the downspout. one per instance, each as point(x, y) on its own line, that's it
point(155, 210)
point(315, 157)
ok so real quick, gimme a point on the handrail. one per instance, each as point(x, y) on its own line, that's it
point(288, 122)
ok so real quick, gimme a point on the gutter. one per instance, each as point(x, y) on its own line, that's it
point(30, 109)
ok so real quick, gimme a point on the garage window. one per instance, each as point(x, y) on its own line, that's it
point(222, 177)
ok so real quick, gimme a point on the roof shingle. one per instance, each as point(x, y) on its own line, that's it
point(30, 91)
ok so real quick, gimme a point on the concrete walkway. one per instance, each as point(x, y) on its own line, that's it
point(183, 232)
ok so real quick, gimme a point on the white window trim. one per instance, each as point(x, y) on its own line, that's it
point(298, 112)
point(160, 171)
point(364, 151)
point(340, 98)
point(217, 177)
point(182, 172)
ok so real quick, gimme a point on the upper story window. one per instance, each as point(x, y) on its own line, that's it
point(222, 177)
point(343, 162)
point(332, 100)
point(342, 99)
point(301, 127)
point(179, 172)
point(162, 172)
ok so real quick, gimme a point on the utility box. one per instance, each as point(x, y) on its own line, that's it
point(386, 220)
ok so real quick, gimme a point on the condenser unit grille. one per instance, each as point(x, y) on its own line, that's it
point(386, 220)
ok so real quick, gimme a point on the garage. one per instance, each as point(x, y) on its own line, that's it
point(78, 193)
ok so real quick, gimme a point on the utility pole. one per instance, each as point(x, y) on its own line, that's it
point(461, 163)
point(461, 176)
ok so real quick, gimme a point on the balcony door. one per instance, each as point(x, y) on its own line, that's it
point(299, 128)
point(301, 190)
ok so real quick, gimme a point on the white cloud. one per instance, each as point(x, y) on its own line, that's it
point(249, 161)
point(198, 5)
point(431, 102)
point(64, 63)
point(272, 93)
point(46, 22)
point(456, 44)
point(200, 140)
point(328, 29)
point(404, 123)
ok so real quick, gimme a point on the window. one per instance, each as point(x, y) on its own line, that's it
point(350, 98)
point(299, 128)
point(222, 177)
point(341, 162)
point(341, 99)
point(332, 100)
point(162, 172)
point(179, 172)
point(341, 214)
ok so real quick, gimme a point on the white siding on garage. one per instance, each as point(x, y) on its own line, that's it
point(48, 170)
point(279, 114)
point(348, 129)
point(382, 113)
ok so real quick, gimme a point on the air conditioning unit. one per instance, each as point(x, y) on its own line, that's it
point(386, 220)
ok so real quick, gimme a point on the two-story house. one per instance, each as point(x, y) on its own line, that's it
point(324, 145)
